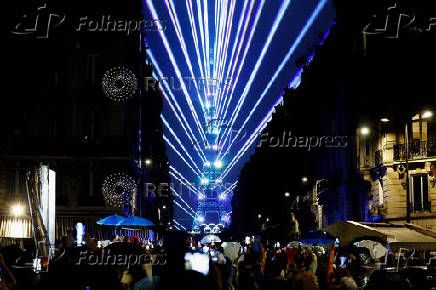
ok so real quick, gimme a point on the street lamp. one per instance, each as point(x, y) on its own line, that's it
point(259, 216)
point(427, 114)
point(364, 130)
point(287, 194)
point(148, 162)
point(384, 120)
point(304, 179)
point(17, 210)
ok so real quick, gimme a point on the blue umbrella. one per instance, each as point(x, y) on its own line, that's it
point(317, 237)
point(111, 220)
point(135, 221)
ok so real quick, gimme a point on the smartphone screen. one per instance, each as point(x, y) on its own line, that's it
point(245, 249)
point(343, 260)
point(241, 250)
point(213, 255)
point(247, 240)
point(197, 262)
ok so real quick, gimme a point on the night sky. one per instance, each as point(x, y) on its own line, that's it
point(295, 17)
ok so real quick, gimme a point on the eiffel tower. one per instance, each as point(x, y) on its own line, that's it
point(213, 202)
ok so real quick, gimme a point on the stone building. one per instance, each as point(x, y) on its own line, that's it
point(384, 160)
point(57, 114)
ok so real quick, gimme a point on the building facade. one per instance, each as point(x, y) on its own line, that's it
point(60, 116)
point(397, 164)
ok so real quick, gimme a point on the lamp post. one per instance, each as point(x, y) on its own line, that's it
point(406, 150)
point(316, 191)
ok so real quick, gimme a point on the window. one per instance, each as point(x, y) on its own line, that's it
point(419, 128)
point(380, 193)
point(420, 193)
point(60, 184)
point(61, 198)
point(16, 179)
point(90, 194)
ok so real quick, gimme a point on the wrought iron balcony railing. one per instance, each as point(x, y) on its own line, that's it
point(416, 150)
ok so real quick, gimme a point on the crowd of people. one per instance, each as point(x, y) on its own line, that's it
point(295, 267)
point(179, 261)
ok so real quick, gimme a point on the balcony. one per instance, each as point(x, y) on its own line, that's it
point(416, 150)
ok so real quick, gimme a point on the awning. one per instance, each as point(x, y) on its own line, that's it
point(22, 228)
point(397, 236)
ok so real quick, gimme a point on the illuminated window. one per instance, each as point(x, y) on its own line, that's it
point(380, 193)
point(420, 200)
point(419, 128)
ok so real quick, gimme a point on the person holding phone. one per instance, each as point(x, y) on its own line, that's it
point(7, 278)
point(262, 253)
point(234, 269)
point(304, 278)
point(240, 254)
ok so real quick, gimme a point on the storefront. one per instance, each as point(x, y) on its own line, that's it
point(395, 237)
point(12, 230)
